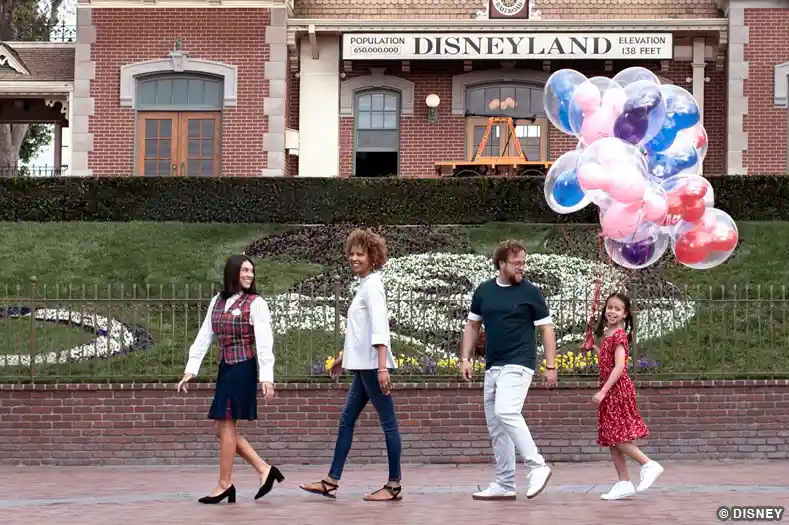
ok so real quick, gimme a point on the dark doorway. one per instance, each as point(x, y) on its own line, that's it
point(376, 163)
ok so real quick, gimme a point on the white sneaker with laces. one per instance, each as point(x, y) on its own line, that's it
point(495, 492)
point(538, 479)
point(621, 489)
point(650, 471)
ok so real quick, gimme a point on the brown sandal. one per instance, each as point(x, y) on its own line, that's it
point(394, 493)
point(327, 489)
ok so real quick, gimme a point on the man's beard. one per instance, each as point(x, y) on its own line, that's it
point(513, 279)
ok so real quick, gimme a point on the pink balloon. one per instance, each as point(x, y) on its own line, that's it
point(614, 101)
point(655, 207)
point(628, 186)
point(587, 96)
point(596, 126)
point(621, 221)
point(592, 176)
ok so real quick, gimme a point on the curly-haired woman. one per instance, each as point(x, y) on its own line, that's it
point(368, 356)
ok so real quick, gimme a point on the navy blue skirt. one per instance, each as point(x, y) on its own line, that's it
point(236, 391)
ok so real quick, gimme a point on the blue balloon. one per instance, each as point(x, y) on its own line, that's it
point(563, 87)
point(665, 137)
point(685, 113)
point(663, 165)
point(566, 191)
point(682, 112)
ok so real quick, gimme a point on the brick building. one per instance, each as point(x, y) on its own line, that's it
point(325, 88)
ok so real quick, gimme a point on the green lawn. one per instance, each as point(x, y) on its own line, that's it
point(164, 273)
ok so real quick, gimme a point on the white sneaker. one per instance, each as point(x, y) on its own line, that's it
point(621, 489)
point(650, 471)
point(495, 492)
point(538, 479)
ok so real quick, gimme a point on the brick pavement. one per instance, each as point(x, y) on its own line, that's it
point(688, 492)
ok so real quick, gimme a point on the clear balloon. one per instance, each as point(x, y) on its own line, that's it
point(638, 254)
point(558, 95)
point(643, 113)
point(682, 112)
point(655, 203)
point(696, 136)
point(611, 168)
point(688, 197)
point(626, 222)
point(678, 159)
point(706, 243)
point(596, 104)
point(635, 74)
point(563, 193)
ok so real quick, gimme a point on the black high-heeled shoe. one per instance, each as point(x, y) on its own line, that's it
point(273, 475)
point(230, 494)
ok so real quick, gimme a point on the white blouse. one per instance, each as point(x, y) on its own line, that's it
point(367, 326)
point(259, 317)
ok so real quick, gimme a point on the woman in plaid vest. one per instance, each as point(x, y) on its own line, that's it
point(242, 323)
point(368, 355)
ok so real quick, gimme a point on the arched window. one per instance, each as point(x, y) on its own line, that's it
point(523, 103)
point(377, 133)
point(178, 124)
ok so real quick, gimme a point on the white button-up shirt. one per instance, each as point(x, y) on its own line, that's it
point(367, 326)
point(259, 318)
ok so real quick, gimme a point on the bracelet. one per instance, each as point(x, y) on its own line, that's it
point(383, 370)
point(550, 368)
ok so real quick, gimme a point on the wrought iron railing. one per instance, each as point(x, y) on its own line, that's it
point(33, 171)
point(119, 332)
point(61, 32)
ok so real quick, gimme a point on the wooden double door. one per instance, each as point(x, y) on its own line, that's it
point(533, 137)
point(178, 144)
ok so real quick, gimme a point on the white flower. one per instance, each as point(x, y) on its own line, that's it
point(429, 296)
point(112, 337)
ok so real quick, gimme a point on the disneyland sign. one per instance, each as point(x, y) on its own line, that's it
point(509, 46)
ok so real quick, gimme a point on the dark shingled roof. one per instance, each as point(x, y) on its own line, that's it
point(44, 64)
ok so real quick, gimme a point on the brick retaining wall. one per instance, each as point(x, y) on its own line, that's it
point(101, 424)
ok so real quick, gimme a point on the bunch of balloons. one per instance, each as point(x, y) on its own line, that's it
point(640, 148)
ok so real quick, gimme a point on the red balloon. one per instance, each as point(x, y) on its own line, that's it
point(723, 241)
point(693, 247)
point(695, 211)
point(692, 191)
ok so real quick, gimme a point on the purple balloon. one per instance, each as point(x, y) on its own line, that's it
point(632, 126)
point(638, 253)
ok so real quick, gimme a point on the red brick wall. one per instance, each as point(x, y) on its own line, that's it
point(422, 144)
point(440, 423)
point(765, 124)
point(234, 36)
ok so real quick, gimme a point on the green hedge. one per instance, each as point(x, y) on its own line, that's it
point(335, 200)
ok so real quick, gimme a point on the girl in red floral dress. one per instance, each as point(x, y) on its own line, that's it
point(618, 419)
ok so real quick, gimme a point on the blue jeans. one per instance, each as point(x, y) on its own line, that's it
point(365, 388)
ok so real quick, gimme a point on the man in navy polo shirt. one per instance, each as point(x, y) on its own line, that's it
point(511, 309)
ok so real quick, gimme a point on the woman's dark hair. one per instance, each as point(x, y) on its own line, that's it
point(600, 329)
point(232, 282)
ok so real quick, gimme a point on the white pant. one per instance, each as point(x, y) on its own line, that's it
point(504, 393)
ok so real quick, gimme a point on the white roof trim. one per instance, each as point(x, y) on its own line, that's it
point(7, 57)
point(352, 25)
point(33, 87)
point(36, 44)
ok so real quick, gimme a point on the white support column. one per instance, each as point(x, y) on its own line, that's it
point(319, 107)
point(69, 154)
point(698, 72)
point(699, 80)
